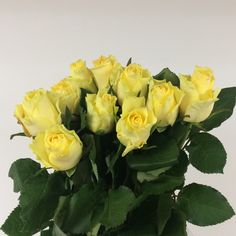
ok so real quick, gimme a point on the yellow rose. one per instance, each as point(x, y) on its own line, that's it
point(58, 148)
point(84, 77)
point(164, 100)
point(67, 94)
point(200, 97)
point(133, 81)
point(101, 112)
point(37, 112)
point(106, 71)
point(134, 126)
point(203, 78)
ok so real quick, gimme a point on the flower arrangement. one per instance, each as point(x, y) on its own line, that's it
point(113, 144)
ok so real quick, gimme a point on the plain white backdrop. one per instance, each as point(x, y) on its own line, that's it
point(39, 39)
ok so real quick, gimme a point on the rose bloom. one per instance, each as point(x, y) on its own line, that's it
point(133, 81)
point(164, 100)
point(82, 75)
point(106, 71)
point(200, 96)
point(66, 93)
point(101, 112)
point(134, 126)
point(58, 148)
point(37, 112)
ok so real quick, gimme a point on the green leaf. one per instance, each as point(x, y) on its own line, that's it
point(180, 132)
point(206, 153)
point(176, 225)
point(158, 157)
point(75, 212)
point(168, 75)
point(17, 134)
point(80, 112)
point(89, 146)
point(150, 175)
point(222, 110)
point(139, 230)
point(39, 199)
point(13, 225)
point(67, 118)
point(21, 170)
point(115, 163)
point(204, 205)
point(117, 206)
point(164, 208)
point(162, 184)
point(82, 119)
point(111, 160)
point(181, 167)
point(142, 220)
point(82, 173)
point(71, 172)
point(129, 61)
point(102, 145)
point(82, 102)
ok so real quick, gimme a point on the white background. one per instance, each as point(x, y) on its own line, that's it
point(39, 39)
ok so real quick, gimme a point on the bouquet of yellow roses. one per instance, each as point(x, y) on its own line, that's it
point(112, 145)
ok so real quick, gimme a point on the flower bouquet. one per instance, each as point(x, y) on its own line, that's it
point(113, 144)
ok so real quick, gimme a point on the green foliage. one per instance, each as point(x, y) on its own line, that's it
point(76, 121)
point(39, 199)
point(89, 146)
point(76, 212)
point(154, 158)
point(167, 75)
point(80, 122)
point(141, 194)
point(13, 226)
point(143, 220)
point(180, 132)
point(113, 158)
point(203, 205)
point(82, 174)
point(181, 167)
point(150, 175)
point(139, 229)
point(176, 225)
point(117, 206)
point(164, 209)
point(162, 184)
point(21, 170)
point(67, 118)
point(222, 110)
point(207, 153)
